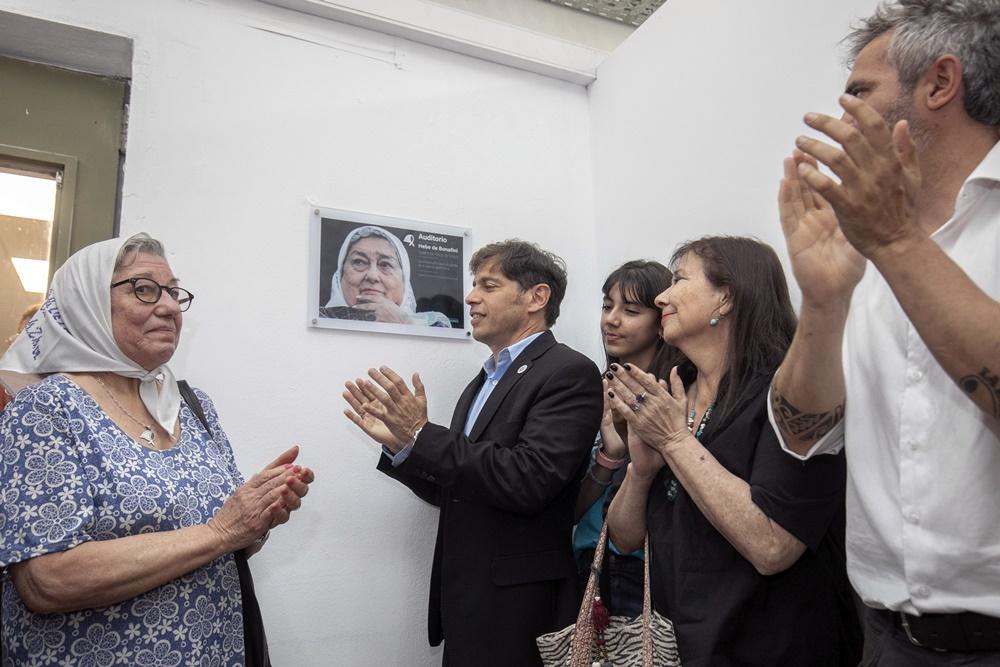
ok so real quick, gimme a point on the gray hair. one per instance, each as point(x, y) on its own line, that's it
point(924, 30)
point(141, 242)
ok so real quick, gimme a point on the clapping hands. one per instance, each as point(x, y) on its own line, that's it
point(656, 413)
point(265, 501)
point(385, 408)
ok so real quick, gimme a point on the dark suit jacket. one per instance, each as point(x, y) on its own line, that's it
point(503, 568)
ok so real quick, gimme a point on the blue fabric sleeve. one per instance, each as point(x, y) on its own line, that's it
point(45, 480)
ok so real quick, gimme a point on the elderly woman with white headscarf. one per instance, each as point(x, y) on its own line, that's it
point(372, 281)
point(124, 522)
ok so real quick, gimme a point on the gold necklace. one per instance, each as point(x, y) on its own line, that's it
point(147, 434)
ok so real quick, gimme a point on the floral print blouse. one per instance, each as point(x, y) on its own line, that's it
point(69, 475)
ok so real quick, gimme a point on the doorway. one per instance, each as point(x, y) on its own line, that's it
point(62, 147)
point(27, 209)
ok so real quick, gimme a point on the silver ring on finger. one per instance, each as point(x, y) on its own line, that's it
point(635, 406)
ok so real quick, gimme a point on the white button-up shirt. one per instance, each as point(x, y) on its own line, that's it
point(923, 461)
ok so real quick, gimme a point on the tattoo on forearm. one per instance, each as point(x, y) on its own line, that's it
point(804, 426)
point(984, 382)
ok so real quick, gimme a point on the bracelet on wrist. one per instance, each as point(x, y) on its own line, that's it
point(590, 474)
point(605, 461)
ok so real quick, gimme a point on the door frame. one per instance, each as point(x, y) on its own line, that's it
point(63, 169)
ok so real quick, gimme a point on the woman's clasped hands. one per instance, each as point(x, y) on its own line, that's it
point(657, 414)
point(265, 501)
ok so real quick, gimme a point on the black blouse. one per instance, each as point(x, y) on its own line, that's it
point(725, 612)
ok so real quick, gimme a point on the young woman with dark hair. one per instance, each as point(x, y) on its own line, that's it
point(746, 541)
point(630, 330)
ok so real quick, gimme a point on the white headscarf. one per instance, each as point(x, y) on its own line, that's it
point(336, 293)
point(71, 333)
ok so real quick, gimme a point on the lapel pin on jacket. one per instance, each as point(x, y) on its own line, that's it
point(522, 369)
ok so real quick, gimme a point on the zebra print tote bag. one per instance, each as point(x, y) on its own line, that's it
point(597, 641)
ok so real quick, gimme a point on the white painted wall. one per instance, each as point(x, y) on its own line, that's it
point(234, 130)
point(693, 114)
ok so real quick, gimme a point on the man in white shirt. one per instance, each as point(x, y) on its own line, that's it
point(901, 361)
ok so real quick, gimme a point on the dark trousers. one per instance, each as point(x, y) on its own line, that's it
point(886, 645)
point(621, 583)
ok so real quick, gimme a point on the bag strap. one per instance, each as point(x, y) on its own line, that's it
point(3, 646)
point(254, 640)
point(187, 393)
point(583, 635)
point(647, 610)
point(255, 651)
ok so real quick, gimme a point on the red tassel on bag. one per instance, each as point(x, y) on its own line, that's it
point(600, 616)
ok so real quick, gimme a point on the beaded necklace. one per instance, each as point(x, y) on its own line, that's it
point(672, 486)
point(704, 421)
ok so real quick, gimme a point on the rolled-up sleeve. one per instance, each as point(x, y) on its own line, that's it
point(802, 495)
point(831, 443)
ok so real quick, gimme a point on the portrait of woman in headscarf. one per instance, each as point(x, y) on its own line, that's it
point(372, 282)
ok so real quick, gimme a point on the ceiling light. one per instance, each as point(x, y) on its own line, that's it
point(34, 274)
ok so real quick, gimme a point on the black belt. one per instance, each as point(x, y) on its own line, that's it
point(965, 631)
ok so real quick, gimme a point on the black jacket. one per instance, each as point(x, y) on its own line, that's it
point(503, 569)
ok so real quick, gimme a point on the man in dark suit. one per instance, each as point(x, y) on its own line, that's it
point(506, 472)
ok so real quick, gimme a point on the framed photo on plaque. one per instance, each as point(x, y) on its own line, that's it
point(390, 275)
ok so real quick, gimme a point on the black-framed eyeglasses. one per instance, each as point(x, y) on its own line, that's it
point(148, 290)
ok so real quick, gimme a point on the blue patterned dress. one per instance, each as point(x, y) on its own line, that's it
point(69, 475)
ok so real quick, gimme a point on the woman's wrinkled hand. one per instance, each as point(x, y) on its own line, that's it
point(265, 501)
point(656, 414)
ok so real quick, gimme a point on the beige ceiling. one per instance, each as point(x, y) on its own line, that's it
point(542, 36)
point(631, 12)
point(554, 18)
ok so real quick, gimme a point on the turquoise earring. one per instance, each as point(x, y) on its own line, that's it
point(714, 322)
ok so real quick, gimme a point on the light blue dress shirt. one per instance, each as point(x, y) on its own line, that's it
point(494, 371)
